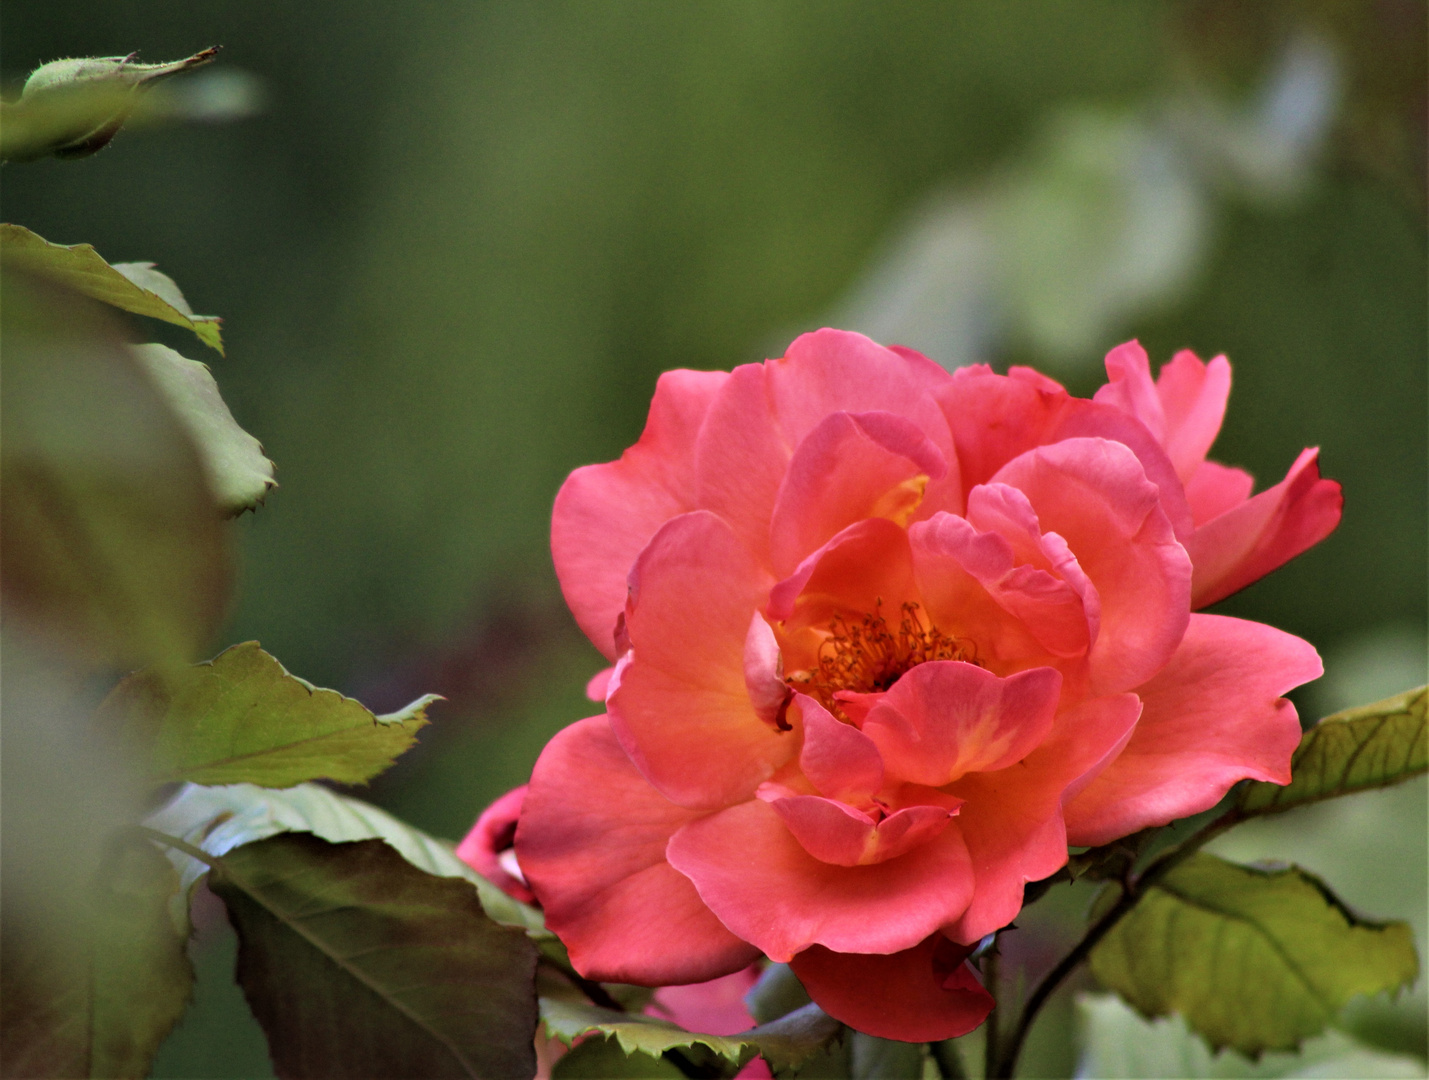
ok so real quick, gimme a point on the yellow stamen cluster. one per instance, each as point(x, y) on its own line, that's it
point(868, 656)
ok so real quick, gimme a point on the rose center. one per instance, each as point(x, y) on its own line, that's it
point(868, 655)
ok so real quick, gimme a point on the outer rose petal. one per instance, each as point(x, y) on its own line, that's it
point(850, 467)
point(1212, 716)
point(1012, 819)
point(591, 842)
point(1131, 389)
point(599, 684)
point(995, 418)
point(494, 833)
point(766, 410)
point(922, 994)
point(1246, 543)
point(679, 702)
point(605, 514)
point(1215, 488)
point(1094, 494)
point(1193, 399)
point(713, 1008)
point(946, 718)
point(767, 889)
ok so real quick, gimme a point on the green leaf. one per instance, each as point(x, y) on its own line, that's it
point(128, 286)
point(1256, 959)
point(357, 964)
point(1372, 746)
point(240, 718)
point(219, 819)
point(98, 999)
point(600, 1058)
point(238, 472)
point(1117, 1042)
point(111, 546)
point(785, 1043)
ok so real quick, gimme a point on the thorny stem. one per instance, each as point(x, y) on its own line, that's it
point(1133, 888)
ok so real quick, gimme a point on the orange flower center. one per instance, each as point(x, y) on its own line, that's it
point(869, 656)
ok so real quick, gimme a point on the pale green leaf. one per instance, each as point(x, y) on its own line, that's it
point(241, 718)
point(97, 1000)
point(357, 964)
point(785, 1043)
point(80, 267)
point(1117, 1043)
point(1359, 749)
point(238, 472)
point(219, 819)
point(1255, 959)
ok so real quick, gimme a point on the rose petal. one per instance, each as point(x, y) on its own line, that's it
point(1215, 488)
point(951, 562)
point(923, 994)
point(996, 418)
point(839, 760)
point(764, 674)
point(947, 718)
point(1211, 717)
point(766, 410)
point(850, 467)
point(599, 683)
point(768, 890)
point(1094, 493)
point(1012, 819)
point(591, 842)
point(605, 514)
point(680, 704)
point(1193, 399)
point(493, 834)
point(1131, 389)
point(1267, 531)
point(714, 1008)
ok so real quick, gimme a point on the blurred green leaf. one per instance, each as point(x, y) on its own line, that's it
point(238, 472)
point(1256, 959)
point(784, 1043)
point(1372, 746)
point(74, 107)
point(219, 819)
point(97, 1000)
point(133, 287)
point(112, 548)
point(240, 718)
point(357, 964)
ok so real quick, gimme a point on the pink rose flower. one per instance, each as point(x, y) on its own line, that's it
point(887, 640)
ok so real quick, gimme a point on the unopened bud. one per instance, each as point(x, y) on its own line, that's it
point(72, 108)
